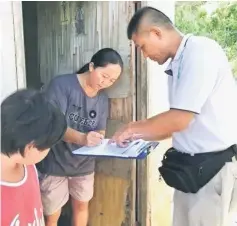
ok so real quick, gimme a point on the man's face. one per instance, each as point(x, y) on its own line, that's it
point(152, 43)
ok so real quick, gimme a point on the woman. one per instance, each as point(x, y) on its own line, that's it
point(81, 98)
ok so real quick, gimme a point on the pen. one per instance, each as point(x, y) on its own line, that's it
point(130, 147)
point(134, 137)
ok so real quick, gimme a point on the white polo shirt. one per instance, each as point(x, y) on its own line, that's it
point(202, 82)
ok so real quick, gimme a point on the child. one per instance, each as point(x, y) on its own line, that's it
point(30, 125)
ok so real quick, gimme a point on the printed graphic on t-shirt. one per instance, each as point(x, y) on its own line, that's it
point(38, 221)
point(21, 201)
point(76, 116)
point(82, 121)
point(92, 114)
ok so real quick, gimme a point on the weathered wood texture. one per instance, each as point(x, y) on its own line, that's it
point(69, 33)
point(142, 175)
point(11, 48)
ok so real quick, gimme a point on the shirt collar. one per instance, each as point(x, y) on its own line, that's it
point(168, 70)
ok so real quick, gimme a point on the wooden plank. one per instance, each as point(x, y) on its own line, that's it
point(143, 210)
point(142, 176)
point(107, 199)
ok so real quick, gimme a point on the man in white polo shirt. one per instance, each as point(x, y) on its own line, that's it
point(202, 121)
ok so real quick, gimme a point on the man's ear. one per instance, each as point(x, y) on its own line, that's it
point(156, 31)
point(91, 66)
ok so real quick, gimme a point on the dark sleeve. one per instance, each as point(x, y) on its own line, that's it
point(104, 113)
point(56, 94)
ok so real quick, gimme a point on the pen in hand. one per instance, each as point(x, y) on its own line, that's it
point(93, 139)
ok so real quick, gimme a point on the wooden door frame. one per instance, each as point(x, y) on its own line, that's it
point(142, 207)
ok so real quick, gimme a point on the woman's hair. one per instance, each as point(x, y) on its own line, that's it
point(102, 58)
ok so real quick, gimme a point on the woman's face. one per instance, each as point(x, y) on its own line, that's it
point(104, 77)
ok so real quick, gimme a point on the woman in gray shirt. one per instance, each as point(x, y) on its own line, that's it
point(81, 98)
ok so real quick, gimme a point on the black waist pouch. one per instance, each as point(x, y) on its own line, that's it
point(188, 173)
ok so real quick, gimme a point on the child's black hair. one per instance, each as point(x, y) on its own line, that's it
point(27, 117)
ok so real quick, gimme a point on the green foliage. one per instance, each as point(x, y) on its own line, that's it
point(220, 24)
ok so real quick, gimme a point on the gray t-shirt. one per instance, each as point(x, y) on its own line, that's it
point(83, 114)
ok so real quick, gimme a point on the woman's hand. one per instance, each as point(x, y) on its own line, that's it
point(93, 139)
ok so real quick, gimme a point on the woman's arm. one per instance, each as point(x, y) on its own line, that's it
point(75, 137)
point(90, 139)
point(101, 132)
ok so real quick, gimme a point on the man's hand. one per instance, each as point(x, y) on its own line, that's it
point(124, 135)
point(158, 127)
point(93, 139)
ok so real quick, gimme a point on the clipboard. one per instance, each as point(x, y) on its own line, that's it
point(138, 149)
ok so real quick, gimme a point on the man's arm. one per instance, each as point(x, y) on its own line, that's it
point(158, 127)
point(163, 125)
point(194, 86)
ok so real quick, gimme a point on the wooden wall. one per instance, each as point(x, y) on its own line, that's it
point(68, 35)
